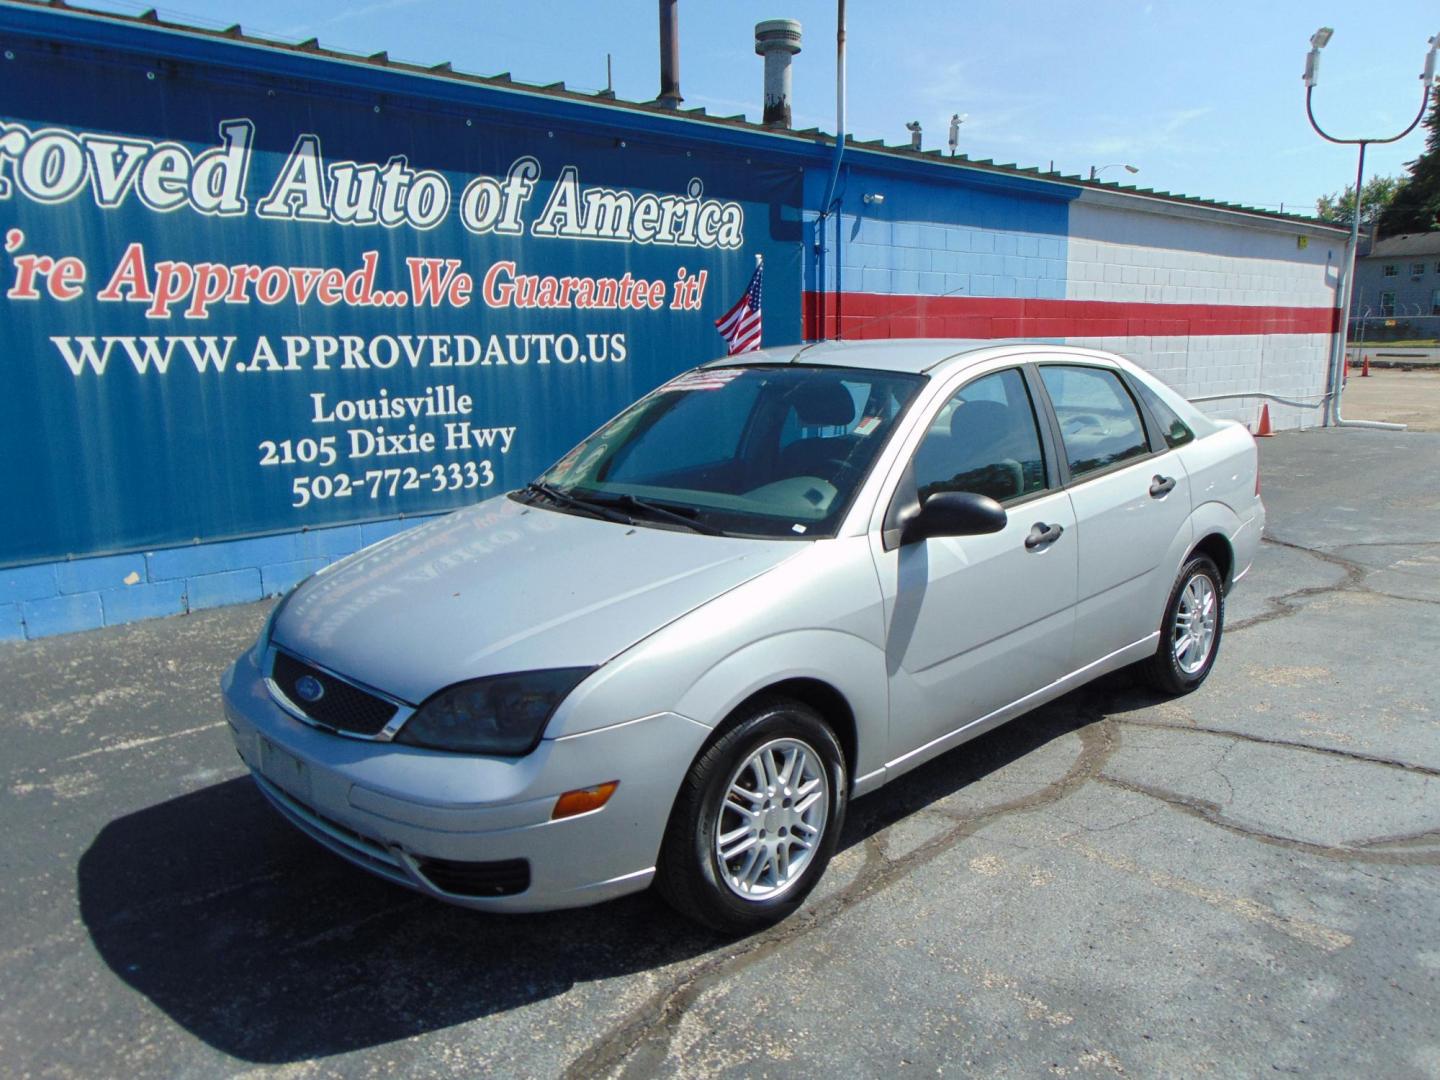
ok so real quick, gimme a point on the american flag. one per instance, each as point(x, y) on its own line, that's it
point(740, 326)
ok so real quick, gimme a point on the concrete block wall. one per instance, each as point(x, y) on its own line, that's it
point(950, 260)
point(1144, 252)
point(1213, 301)
point(933, 238)
point(1105, 270)
point(83, 594)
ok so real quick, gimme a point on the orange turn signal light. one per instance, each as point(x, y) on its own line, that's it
point(583, 800)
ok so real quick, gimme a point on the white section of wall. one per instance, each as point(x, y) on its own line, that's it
point(1147, 257)
point(1289, 365)
point(1149, 253)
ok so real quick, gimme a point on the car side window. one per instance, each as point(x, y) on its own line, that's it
point(1099, 421)
point(983, 440)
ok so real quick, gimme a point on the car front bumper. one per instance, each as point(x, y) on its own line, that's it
point(412, 815)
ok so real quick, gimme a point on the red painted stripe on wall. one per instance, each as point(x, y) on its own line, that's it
point(879, 315)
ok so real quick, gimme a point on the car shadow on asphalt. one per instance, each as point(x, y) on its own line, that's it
point(272, 950)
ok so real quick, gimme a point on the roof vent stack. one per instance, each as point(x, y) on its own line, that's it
point(669, 55)
point(777, 40)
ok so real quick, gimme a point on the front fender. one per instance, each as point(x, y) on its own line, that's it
point(854, 667)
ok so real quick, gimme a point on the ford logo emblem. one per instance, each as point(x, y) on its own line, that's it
point(309, 689)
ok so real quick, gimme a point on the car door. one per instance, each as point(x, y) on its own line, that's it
point(975, 623)
point(1131, 497)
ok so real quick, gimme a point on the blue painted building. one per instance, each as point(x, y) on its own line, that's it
point(264, 305)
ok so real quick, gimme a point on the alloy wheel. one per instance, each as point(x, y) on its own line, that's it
point(772, 819)
point(1193, 634)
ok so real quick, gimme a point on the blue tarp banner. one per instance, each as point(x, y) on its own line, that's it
point(235, 303)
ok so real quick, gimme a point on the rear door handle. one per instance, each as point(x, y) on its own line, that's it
point(1043, 534)
point(1161, 486)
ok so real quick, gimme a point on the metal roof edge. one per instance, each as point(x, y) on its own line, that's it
point(82, 26)
point(1199, 210)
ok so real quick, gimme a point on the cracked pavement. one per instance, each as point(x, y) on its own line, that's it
point(1241, 881)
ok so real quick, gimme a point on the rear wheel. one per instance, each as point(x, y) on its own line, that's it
point(756, 820)
point(1190, 632)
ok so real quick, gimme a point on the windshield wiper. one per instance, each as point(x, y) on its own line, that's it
point(630, 502)
point(589, 506)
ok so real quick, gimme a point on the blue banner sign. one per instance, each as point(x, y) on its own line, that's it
point(236, 304)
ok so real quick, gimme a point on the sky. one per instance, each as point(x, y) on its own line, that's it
point(1204, 99)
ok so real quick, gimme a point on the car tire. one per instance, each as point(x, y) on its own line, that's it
point(1190, 632)
point(766, 785)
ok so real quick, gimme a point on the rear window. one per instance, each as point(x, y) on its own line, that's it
point(1175, 430)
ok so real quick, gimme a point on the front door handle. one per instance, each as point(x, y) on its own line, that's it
point(1043, 534)
point(1160, 486)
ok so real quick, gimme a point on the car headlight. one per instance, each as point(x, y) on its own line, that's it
point(504, 714)
point(262, 643)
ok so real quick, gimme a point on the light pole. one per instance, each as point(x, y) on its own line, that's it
point(1333, 385)
point(1096, 170)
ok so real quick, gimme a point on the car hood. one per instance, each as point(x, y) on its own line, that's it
point(504, 587)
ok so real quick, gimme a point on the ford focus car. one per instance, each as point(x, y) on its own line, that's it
point(769, 587)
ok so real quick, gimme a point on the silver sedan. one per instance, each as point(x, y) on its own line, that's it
point(767, 588)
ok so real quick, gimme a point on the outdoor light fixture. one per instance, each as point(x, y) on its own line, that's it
point(1318, 41)
point(1334, 382)
point(874, 198)
point(1095, 171)
point(914, 128)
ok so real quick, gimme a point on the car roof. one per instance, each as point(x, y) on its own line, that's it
point(914, 355)
point(941, 356)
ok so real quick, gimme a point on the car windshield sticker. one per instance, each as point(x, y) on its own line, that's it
point(712, 379)
point(867, 425)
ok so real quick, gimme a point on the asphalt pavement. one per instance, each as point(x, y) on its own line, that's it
point(1240, 882)
point(1399, 397)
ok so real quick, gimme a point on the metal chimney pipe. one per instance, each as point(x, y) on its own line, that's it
point(777, 40)
point(669, 55)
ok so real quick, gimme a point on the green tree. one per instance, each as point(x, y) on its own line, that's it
point(1416, 206)
point(1340, 208)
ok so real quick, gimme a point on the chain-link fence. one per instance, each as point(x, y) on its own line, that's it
point(1395, 322)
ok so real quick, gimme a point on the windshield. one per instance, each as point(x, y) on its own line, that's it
point(761, 451)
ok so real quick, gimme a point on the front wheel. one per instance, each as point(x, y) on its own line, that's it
point(1190, 632)
point(756, 820)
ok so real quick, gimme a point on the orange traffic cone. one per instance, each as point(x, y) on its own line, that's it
point(1365, 367)
point(1345, 371)
point(1263, 430)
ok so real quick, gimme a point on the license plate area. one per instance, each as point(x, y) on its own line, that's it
point(285, 770)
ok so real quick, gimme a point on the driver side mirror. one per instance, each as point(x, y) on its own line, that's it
point(954, 513)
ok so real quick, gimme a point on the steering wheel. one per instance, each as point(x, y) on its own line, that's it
point(842, 465)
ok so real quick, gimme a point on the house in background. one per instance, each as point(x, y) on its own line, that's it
point(1397, 288)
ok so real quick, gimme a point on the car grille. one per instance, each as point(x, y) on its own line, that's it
point(505, 878)
point(343, 706)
